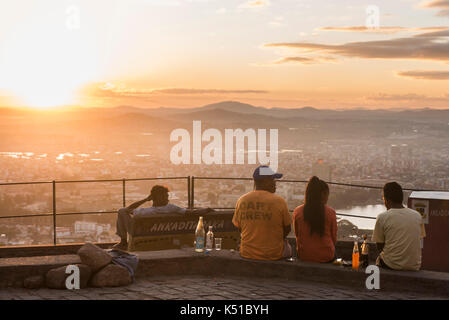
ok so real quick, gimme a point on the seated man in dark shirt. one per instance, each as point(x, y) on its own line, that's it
point(159, 196)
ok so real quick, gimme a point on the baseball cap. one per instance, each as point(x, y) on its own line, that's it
point(263, 172)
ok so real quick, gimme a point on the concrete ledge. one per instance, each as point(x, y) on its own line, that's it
point(224, 263)
point(46, 249)
point(14, 270)
point(343, 248)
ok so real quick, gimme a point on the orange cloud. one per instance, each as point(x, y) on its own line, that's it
point(425, 46)
point(109, 90)
point(407, 97)
point(387, 30)
point(304, 60)
point(441, 4)
point(425, 74)
point(255, 4)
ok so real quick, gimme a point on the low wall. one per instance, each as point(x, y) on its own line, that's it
point(343, 248)
point(226, 263)
point(161, 232)
point(46, 250)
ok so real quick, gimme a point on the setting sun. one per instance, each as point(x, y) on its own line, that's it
point(44, 64)
point(45, 96)
point(44, 73)
point(263, 53)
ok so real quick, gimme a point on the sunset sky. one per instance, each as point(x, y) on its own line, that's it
point(183, 53)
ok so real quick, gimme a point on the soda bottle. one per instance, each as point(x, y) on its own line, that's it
point(355, 256)
point(199, 236)
point(209, 239)
point(364, 252)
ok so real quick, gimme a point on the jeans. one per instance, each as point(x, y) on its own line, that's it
point(123, 224)
point(382, 264)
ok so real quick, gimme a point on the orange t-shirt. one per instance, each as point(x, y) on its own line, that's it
point(315, 248)
point(261, 216)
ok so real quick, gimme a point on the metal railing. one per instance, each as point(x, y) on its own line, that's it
point(192, 205)
point(190, 194)
point(54, 213)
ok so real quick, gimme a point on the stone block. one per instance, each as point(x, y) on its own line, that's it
point(34, 282)
point(55, 278)
point(111, 276)
point(93, 256)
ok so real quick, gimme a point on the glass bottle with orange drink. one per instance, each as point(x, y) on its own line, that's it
point(355, 256)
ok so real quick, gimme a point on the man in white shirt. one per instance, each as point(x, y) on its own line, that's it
point(159, 196)
point(398, 232)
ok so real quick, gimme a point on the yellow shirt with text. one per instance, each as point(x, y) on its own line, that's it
point(261, 216)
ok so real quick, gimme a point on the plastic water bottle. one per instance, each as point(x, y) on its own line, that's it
point(209, 240)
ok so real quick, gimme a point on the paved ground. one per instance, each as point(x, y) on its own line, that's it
point(203, 288)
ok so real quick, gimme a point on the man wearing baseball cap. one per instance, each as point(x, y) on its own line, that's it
point(263, 219)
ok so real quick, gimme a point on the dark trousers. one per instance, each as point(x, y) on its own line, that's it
point(123, 224)
point(382, 264)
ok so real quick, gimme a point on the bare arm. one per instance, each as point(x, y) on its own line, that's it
point(287, 230)
point(380, 246)
point(137, 204)
point(296, 228)
point(334, 229)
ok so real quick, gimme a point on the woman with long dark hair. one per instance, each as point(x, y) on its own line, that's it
point(315, 224)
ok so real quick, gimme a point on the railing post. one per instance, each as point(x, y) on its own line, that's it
point(188, 192)
point(124, 192)
point(54, 212)
point(192, 196)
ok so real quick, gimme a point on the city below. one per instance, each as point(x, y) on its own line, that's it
point(114, 144)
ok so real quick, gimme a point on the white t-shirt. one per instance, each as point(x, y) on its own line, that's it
point(401, 231)
point(169, 208)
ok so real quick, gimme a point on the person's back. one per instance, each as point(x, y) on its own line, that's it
point(261, 216)
point(315, 224)
point(400, 230)
point(159, 196)
point(313, 247)
point(167, 208)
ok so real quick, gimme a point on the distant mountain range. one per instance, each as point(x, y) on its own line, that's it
point(304, 112)
point(223, 113)
point(131, 124)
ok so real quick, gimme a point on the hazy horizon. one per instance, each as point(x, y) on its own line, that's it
point(194, 107)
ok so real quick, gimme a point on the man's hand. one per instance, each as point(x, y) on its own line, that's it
point(149, 198)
